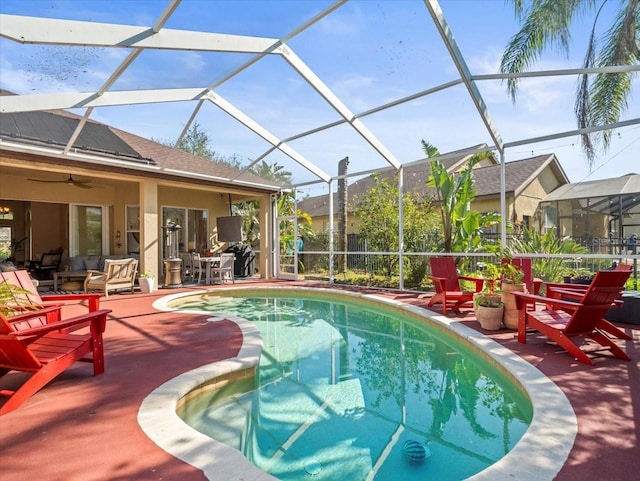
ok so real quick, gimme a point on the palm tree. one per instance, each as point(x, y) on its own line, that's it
point(601, 100)
point(273, 172)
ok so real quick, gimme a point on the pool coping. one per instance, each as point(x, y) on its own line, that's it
point(537, 456)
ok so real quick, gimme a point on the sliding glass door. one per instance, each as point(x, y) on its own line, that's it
point(192, 236)
point(88, 230)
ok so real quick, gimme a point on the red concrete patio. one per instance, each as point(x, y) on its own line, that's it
point(84, 428)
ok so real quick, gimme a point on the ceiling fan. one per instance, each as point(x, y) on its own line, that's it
point(77, 183)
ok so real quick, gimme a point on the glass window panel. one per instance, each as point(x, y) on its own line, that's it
point(86, 230)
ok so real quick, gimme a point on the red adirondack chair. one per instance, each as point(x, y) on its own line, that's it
point(531, 283)
point(31, 299)
point(46, 350)
point(563, 320)
point(575, 292)
point(447, 284)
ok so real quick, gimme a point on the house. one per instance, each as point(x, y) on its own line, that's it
point(528, 181)
point(112, 192)
point(603, 215)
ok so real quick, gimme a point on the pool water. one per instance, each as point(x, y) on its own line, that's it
point(343, 386)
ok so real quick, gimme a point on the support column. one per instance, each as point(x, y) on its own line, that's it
point(149, 241)
point(266, 233)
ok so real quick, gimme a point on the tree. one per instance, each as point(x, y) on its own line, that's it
point(197, 142)
point(250, 210)
point(603, 99)
point(461, 225)
point(273, 172)
point(377, 212)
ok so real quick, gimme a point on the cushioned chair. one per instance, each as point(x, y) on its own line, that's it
point(49, 263)
point(118, 274)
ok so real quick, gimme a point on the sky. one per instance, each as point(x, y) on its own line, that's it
point(367, 52)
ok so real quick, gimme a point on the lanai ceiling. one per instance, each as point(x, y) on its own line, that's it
point(285, 84)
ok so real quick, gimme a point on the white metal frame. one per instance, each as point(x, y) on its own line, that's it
point(32, 30)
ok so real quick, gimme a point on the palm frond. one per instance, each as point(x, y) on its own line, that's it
point(546, 24)
point(609, 92)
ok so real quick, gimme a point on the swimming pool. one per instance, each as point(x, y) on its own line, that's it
point(370, 418)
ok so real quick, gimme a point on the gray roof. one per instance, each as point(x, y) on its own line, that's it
point(626, 184)
point(518, 174)
point(55, 128)
point(609, 196)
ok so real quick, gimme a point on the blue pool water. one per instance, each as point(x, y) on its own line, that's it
point(342, 388)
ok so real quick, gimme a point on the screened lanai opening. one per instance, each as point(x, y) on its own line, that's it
point(603, 216)
point(303, 85)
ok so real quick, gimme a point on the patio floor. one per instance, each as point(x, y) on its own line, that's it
point(84, 428)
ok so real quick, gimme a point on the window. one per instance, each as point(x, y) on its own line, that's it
point(88, 230)
point(550, 218)
point(5, 242)
point(193, 235)
point(132, 244)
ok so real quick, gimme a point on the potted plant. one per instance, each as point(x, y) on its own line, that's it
point(580, 275)
point(488, 305)
point(147, 282)
point(512, 281)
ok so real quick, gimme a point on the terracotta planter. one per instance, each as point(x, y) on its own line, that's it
point(509, 300)
point(490, 318)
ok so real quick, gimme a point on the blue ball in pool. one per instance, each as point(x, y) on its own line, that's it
point(414, 452)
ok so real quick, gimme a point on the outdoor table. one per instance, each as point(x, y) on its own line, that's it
point(67, 275)
point(208, 263)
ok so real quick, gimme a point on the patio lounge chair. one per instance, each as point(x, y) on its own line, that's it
point(31, 299)
point(574, 292)
point(47, 350)
point(447, 284)
point(49, 263)
point(118, 274)
point(563, 320)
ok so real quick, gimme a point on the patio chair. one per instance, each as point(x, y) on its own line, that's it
point(224, 269)
point(563, 320)
point(187, 266)
point(524, 264)
point(197, 267)
point(30, 299)
point(49, 263)
point(46, 351)
point(447, 284)
point(574, 292)
point(118, 274)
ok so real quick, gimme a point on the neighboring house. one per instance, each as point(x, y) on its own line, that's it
point(603, 215)
point(112, 192)
point(528, 181)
